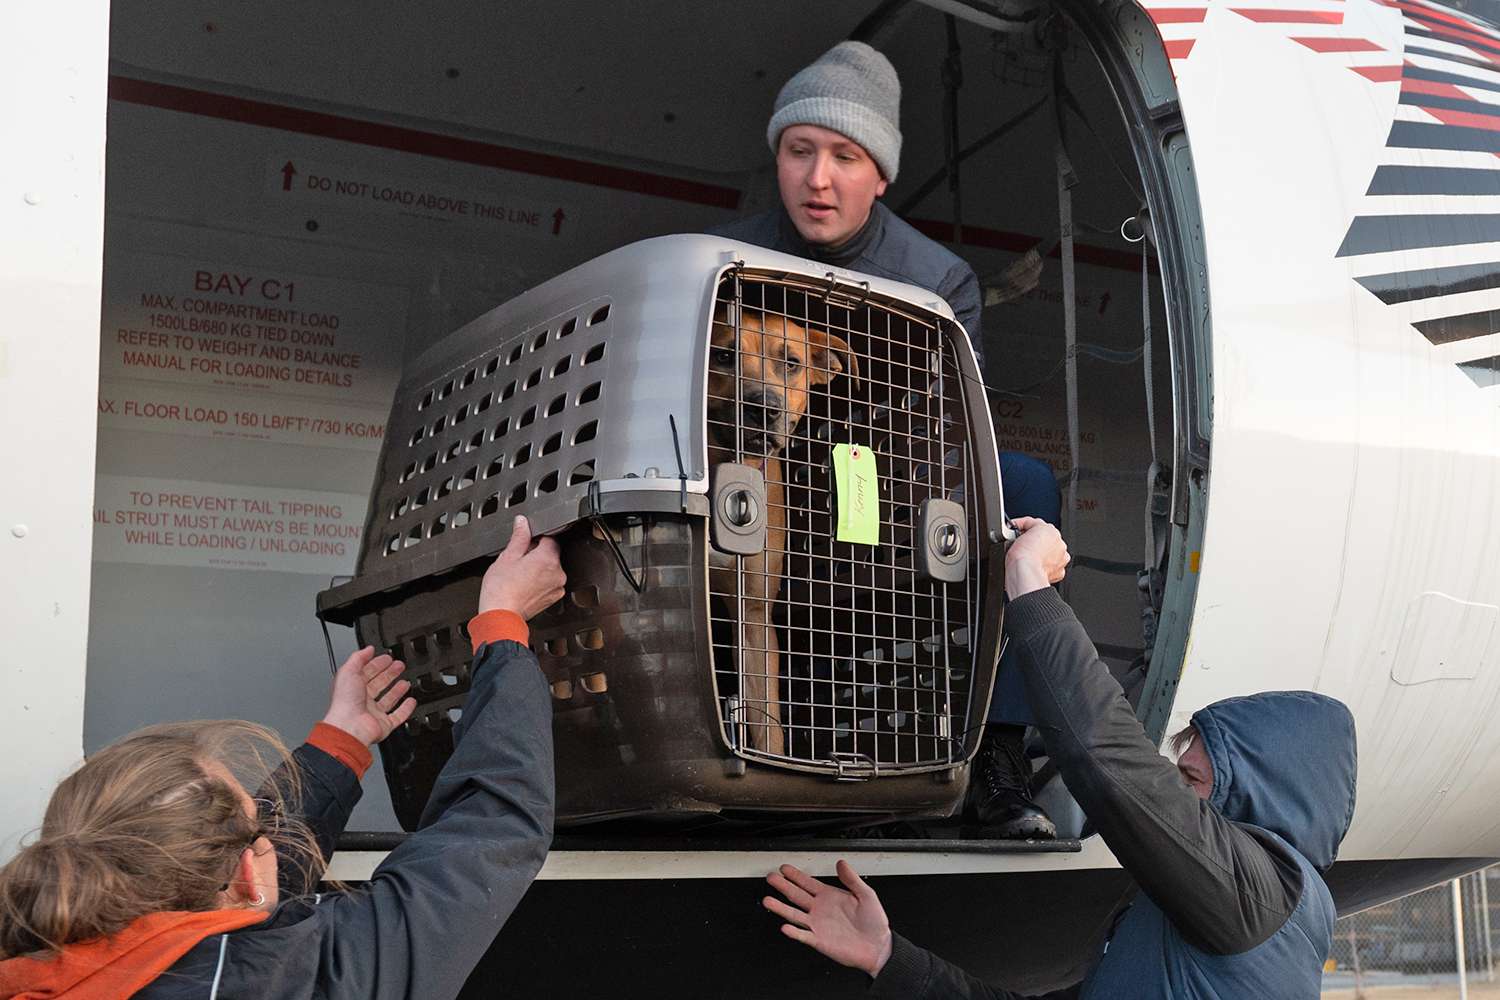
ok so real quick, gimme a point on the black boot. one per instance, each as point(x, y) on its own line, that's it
point(1000, 789)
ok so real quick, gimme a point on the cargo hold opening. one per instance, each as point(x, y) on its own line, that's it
point(285, 232)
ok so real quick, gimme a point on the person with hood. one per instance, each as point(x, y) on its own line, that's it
point(1228, 848)
point(835, 131)
point(157, 876)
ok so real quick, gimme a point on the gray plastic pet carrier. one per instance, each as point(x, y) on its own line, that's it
point(776, 492)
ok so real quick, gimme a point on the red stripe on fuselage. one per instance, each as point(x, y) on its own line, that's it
point(1000, 239)
point(1458, 33)
point(1379, 74)
point(1437, 15)
point(1177, 15)
point(1466, 119)
point(1266, 15)
point(266, 115)
point(408, 140)
point(1434, 89)
point(1485, 46)
point(1339, 44)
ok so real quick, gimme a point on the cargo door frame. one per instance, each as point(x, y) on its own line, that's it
point(1133, 58)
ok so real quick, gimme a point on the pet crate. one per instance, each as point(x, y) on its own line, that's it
point(777, 497)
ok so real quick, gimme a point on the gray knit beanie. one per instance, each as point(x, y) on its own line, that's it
point(853, 90)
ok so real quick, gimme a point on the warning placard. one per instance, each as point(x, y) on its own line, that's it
point(204, 348)
point(180, 522)
point(1023, 426)
point(360, 189)
point(215, 413)
point(176, 319)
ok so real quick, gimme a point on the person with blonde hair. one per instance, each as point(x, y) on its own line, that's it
point(157, 875)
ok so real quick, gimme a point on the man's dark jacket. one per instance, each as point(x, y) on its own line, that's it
point(1232, 902)
point(425, 918)
point(885, 247)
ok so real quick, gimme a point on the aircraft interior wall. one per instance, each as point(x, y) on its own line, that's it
point(325, 178)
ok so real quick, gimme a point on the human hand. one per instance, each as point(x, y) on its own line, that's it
point(367, 700)
point(526, 578)
point(847, 925)
point(1037, 558)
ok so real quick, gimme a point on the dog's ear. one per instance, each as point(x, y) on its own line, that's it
point(722, 329)
point(730, 316)
point(831, 358)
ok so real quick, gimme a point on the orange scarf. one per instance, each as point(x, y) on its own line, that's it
point(117, 966)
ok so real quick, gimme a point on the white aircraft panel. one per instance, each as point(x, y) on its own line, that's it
point(1354, 454)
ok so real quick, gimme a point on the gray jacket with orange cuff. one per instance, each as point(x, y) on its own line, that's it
point(424, 919)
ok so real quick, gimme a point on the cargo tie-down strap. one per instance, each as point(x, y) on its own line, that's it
point(1066, 179)
point(1150, 579)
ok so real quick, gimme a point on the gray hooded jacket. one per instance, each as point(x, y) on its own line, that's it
point(1232, 901)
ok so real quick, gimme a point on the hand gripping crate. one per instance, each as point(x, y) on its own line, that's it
point(704, 426)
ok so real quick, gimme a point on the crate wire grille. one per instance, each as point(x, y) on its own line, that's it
point(875, 663)
point(463, 463)
point(467, 457)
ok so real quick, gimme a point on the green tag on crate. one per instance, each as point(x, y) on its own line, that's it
point(856, 486)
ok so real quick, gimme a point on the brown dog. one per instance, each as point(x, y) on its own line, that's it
point(779, 361)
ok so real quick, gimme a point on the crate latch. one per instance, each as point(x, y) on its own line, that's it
point(853, 766)
point(943, 549)
point(738, 524)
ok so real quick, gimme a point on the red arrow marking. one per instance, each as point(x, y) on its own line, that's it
point(557, 220)
point(287, 172)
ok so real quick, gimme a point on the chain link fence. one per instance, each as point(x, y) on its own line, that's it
point(1433, 944)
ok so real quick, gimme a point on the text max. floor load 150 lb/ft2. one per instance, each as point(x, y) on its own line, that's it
point(777, 497)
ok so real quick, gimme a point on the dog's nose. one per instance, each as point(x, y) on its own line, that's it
point(761, 409)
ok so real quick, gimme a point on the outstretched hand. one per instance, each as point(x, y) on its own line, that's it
point(847, 925)
point(367, 700)
point(526, 578)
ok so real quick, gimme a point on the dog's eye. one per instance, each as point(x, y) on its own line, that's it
point(793, 362)
point(723, 357)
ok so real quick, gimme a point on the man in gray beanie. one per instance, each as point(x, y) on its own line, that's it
point(837, 139)
point(836, 134)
